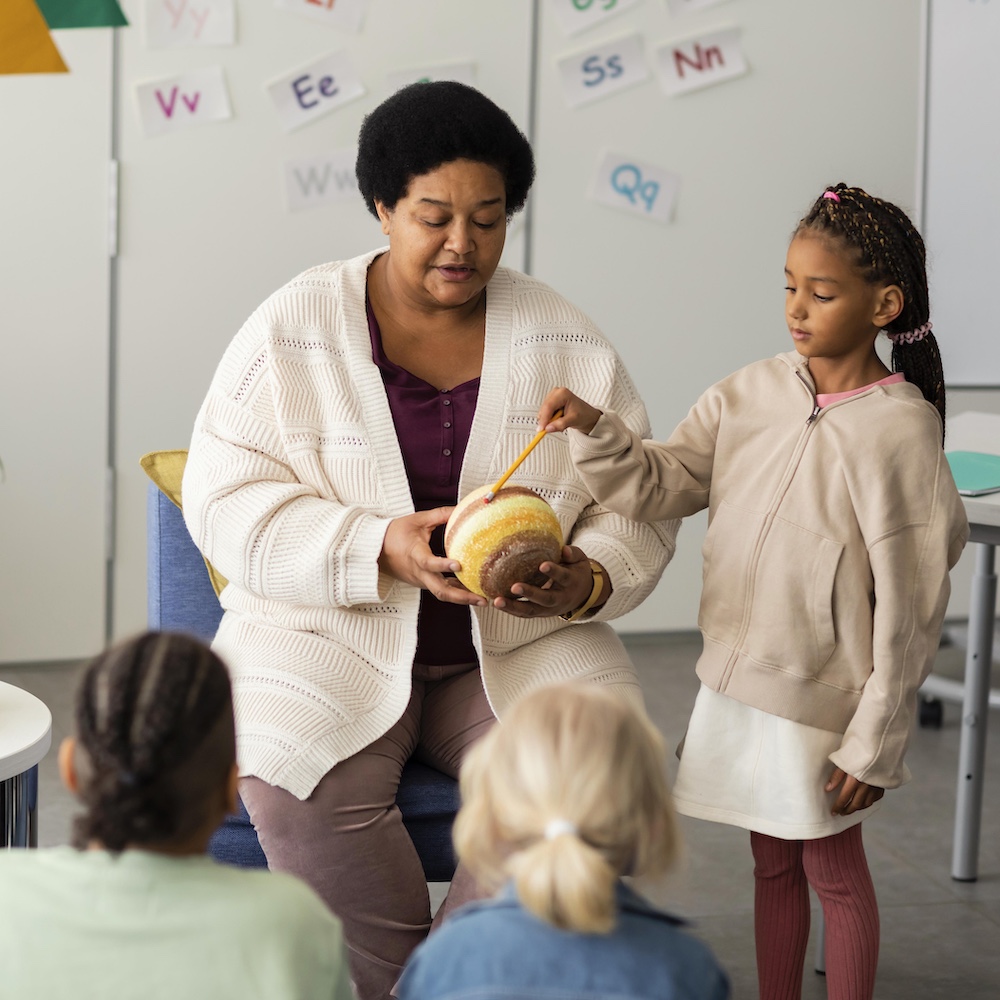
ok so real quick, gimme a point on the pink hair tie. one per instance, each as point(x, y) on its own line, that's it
point(912, 336)
point(832, 195)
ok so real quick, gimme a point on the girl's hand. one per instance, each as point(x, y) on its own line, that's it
point(576, 413)
point(854, 795)
point(569, 584)
point(406, 555)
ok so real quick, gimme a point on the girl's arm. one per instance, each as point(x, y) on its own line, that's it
point(910, 562)
point(633, 555)
point(639, 479)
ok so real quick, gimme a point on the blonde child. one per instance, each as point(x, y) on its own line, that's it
point(565, 796)
point(833, 524)
point(135, 908)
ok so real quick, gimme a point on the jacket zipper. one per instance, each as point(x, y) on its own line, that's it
point(812, 395)
point(779, 494)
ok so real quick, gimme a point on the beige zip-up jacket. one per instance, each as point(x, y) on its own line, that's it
point(831, 535)
point(292, 478)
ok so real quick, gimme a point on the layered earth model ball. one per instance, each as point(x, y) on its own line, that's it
point(502, 542)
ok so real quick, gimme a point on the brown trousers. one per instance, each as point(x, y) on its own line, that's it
point(347, 840)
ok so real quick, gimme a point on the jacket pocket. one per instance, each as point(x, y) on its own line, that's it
point(792, 613)
point(726, 556)
point(769, 592)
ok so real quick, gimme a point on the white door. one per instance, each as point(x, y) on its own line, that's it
point(54, 278)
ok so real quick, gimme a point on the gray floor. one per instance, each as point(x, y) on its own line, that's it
point(940, 938)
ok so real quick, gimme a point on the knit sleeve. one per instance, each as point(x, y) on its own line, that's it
point(257, 495)
point(553, 343)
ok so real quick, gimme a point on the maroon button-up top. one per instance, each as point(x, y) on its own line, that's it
point(433, 427)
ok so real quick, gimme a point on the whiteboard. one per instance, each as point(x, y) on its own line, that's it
point(961, 204)
point(206, 234)
point(831, 95)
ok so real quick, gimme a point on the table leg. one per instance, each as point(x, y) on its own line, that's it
point(19, 810)
point(31, 806)
point(975, 708)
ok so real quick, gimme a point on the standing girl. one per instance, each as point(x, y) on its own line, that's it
point(833, 523)
point(565, 796)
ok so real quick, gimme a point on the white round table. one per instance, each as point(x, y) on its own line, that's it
point(25, 737)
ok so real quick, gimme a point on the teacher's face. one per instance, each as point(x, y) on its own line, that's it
point(446, 234)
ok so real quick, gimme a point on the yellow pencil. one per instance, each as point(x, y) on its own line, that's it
point(520, 458)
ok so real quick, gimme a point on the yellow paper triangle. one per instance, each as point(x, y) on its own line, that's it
point(25, 43)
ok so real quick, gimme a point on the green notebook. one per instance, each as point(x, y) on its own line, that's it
point(975, 472)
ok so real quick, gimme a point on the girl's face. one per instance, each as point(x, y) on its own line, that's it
point(831, 310)
point(446, 234)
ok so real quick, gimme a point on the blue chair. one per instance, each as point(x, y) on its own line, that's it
point(181, 599)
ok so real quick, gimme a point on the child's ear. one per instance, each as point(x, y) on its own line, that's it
point(888, 305)
point(67, 765)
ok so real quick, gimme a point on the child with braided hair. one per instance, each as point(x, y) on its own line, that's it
point(135, 908)
point(833, 525)
point(559, 801)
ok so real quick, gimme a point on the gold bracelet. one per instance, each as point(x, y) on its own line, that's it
point(598, 570)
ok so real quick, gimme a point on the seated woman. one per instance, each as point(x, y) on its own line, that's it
point(136, 908)
point(354, 407)
point(559, 802)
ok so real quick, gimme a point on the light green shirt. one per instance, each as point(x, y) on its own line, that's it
point(87, 924)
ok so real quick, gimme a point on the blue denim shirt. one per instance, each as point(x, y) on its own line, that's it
point(497, 949)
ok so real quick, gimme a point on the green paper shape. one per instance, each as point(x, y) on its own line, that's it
point(82, 13)
point(975, 472)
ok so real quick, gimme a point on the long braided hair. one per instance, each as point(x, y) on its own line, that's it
point(155, 738)
point(888, 250)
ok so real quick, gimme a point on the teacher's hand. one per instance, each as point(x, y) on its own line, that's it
point(569, 584)
point(406, 555)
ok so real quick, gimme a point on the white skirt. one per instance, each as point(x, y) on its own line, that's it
point(748, 768)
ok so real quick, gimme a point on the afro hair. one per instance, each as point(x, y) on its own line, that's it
point(425, 125)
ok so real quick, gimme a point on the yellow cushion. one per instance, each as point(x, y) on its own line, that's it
point(166, 469)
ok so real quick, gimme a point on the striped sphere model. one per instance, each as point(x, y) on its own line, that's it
point(502, 542)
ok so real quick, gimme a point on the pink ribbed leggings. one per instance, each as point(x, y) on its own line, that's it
point(837, 870)
point(347, 840)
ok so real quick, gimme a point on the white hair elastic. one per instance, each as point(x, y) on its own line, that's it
point(557, 827)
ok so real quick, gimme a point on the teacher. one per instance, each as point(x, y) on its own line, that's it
point(348, 415)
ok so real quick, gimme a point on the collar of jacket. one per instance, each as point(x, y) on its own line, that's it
point(799, 365)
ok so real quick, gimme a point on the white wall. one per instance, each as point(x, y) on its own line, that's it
point(205, 232)
point(205, 236)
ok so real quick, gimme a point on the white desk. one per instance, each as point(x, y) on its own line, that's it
point(25, 737)
point(973, 431)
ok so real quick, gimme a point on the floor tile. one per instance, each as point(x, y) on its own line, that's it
point(940, 938)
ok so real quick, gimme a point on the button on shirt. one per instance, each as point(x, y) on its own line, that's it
point(432, 426)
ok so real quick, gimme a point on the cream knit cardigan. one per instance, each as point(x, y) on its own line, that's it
point(295, 472)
